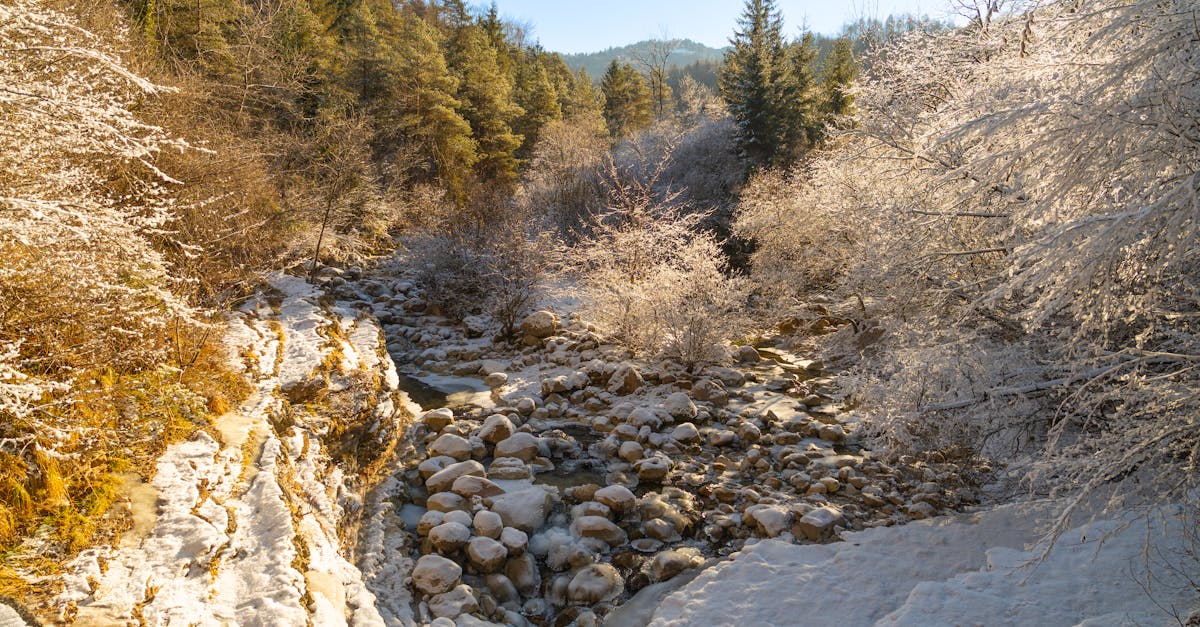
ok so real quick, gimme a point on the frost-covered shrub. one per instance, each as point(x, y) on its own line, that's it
point(652, 280)
point(499, 269)
point(1019, 200)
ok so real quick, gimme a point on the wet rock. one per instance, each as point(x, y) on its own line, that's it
point(659, 529)
point(503, 588)
point(668, 564)
point(428, 521)
point(630, 451)
point(487, 524)
point(435, 574)
point(496, 428)
point(444, 479)
point(486, 555)
point(652, 468)
point(508, 468)
point(524, 509)
point(454, 603)
point(523, 572)
point(449, 537)
point(451, 445)
point(446, 502)
point(471, 485)
point(437, 419)
point(515, 540)
point(599, 528)
point(595, 584)
point(617, 497)
point(521, 445)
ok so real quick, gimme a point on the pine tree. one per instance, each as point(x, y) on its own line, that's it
point(421, 110)
point(627, 105)
point(767, 84)
point(486, 96)
point(839, 72)
point(536, 95)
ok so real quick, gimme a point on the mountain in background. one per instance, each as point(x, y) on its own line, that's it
point(685, 52)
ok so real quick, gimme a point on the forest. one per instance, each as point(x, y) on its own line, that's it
point(392, 273)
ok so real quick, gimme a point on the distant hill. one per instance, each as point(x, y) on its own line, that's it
point(685, 52)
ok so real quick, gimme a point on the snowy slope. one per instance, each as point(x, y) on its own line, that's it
point(963, 570)
point(246, 526)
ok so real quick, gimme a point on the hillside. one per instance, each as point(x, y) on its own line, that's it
point(683, 52)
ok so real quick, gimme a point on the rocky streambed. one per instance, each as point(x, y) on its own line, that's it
point(550, 481)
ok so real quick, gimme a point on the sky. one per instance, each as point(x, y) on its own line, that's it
point(571, 26)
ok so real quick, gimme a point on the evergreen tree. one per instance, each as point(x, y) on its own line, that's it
point(767, 84)
point(421, 111)
point(627, 104)
point(536, 95)
point(839, 72)
point(486, 96)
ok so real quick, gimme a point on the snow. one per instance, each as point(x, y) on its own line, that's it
point(225, 544)
point(977, 568)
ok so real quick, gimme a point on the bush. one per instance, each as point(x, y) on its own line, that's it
point(651, 279)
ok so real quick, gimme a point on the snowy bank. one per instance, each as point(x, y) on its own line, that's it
point(970, 569)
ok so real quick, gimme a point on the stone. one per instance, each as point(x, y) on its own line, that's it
point(523, 509)
point(595, 584)
point(487, 524)
point(539, 324)
point(486, 554)
point(454, 603)
point(815, 524)
point(522, 445)
point(523, 572)
point(668, 564)
point(711, 391)
point(748, 355)
point(618, 498)
point(459, 516)
point(437, 419)
point(771, 520)
point(624, 380)
point(515, 540)
point(449, 537)
point(496, 428)
point(630, 451)
point(431, 466)
point(644, 417)
point(451, 445)
point(921, 510)
point(660, 529)
point(679, 406)
point(591, 508)
point(496, 380)
point(686, 432)
point(600, 528)
point(471, 485)
point(503, 588)
point(435, 574)
point(444, 479)
point(429, 520)
point(831, 433)
point(445, 502)
point(508, 468)
point(652, 468)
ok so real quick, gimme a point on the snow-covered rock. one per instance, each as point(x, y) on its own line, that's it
point(435, 574)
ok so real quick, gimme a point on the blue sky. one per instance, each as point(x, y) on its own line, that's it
point(591, 25)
